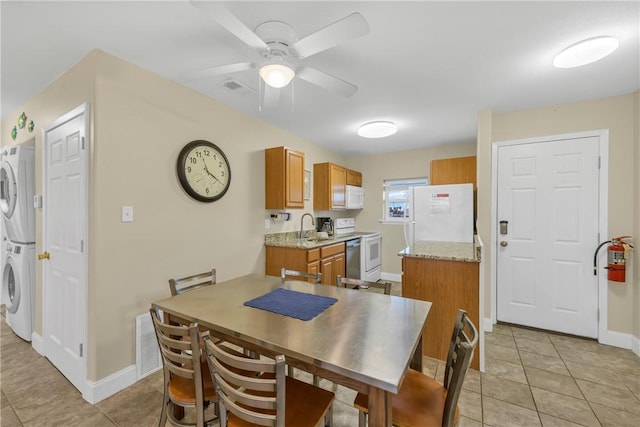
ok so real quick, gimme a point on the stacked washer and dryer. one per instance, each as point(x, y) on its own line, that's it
point(17, 188)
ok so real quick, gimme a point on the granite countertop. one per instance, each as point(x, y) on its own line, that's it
point(311, 241)
point(451, 251)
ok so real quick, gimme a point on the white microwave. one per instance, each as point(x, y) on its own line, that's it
point(354, 197)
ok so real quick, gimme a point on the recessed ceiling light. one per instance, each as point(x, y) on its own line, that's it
point(378, 129)
point(586, 52)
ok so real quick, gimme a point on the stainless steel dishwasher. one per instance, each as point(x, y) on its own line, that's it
point(353, 258)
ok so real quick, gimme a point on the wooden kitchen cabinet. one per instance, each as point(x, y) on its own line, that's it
point(449, 285)
point(459, 170)
point(328, 260)
point(284, 178)
point(332, 263)
point(354, 178)
point(329, 181)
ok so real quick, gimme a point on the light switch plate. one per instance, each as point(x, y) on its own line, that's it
point(267, 224)
point(127, 214)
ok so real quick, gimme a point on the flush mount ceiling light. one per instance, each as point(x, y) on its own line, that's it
point(277, 75)
point(586, 52)
point(377, 129)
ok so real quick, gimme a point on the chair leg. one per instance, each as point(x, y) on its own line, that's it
point(328, 419)
point(290, 371)
point(362, 419)
point(316, 381)
point(163, 414)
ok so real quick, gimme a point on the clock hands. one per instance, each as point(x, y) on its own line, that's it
point(207, 170)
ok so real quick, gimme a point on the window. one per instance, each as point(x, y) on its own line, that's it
point(397, 198)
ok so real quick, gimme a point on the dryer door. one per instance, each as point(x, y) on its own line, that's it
point(8, 190)
point(11, 285)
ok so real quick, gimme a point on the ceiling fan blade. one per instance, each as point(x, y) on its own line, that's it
point(218, 71)
point(327, 81)
point(347, 28)
point(231, 22)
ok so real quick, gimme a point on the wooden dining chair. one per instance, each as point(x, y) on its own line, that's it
point(311, 277)
point(347, 282)
point(187, 383)
point(421, 400)
point(189, 283)
point(262, 395)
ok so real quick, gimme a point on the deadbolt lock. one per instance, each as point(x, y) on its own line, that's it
point(503, 243)
point(44, 255)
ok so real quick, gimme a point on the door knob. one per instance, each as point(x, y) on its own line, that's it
point(503, 243)
point(44, 255)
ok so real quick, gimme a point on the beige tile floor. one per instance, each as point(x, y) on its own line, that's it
point(532, 378)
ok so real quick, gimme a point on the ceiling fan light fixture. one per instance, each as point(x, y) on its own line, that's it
point(377, 129)
point(277, 75)
point(586, 51)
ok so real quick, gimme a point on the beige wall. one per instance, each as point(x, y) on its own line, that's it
point(614, 113)
point(406, 164)
point(141, 121)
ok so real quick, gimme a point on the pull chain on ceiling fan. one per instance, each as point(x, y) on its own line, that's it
point(281, 51)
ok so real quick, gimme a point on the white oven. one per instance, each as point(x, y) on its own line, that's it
point(370, 257)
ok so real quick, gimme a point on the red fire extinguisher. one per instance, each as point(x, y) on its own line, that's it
point(618, 252)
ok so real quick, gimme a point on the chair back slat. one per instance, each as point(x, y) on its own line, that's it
point(189, 283)
point(463, 343)
point(242, 387)
point(179, 357)
point(347, 282)
point(312, 277)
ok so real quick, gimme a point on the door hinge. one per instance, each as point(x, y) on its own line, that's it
point(599, 160)
point(80, 349)
point(83, 142)
point(81, 245)
point(598, 314)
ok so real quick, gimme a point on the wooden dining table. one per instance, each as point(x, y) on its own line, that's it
point(365, 341)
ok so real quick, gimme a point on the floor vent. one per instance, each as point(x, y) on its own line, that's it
point(147, 352)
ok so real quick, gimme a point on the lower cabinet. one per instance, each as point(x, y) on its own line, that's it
point(449, 285)
point(328, 260)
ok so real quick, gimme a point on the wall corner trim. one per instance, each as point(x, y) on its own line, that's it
point(37, 343)
point(488, 324)
point(95, 391)
point(635, 345)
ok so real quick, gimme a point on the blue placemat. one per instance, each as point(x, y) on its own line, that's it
point(292, 303)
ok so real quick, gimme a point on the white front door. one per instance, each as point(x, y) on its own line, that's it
point(65, 225)
point(548, 196)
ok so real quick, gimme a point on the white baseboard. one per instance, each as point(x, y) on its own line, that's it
point(616, 339)
point(37, 343)
point(393, 277)
point(487, 324)
point(95, 391)
point(635, 345)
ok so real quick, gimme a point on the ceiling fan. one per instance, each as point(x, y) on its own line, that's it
point(281, 50)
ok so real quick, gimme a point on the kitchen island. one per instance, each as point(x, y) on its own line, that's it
point(448, 275)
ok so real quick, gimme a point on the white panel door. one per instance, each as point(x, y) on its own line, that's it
point(65, 202)
point(548, 194)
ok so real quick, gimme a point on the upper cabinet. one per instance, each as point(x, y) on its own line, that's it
point(284, 178)
point(459, 170)
point(354, 178)
point(329, 181)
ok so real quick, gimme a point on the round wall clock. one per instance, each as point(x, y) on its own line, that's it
point(203, 171)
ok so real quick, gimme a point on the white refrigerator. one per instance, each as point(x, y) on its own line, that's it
point(440, 213)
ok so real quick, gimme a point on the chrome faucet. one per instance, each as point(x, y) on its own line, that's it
point(302, 219)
